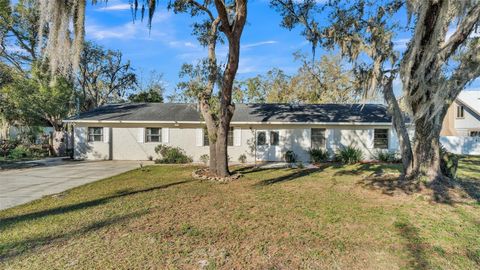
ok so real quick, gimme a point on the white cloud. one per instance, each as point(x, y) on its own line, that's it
point(181, 44)
point(115, 7)
point(256, 44)
point(125, 31)
point(129, 30)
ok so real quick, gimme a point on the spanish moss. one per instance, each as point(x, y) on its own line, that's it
point(62, 27)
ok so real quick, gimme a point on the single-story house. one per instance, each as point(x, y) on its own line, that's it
point(262, 132)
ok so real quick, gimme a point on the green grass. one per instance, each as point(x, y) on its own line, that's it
point(161, 218)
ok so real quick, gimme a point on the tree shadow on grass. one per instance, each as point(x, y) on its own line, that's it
point(471, 187)
point(414, 245)
point(252, 169)
point(18, 248)
point(361, 169)
point(9, 221)
point(389, 184)
point(295, 174)
point(446, 191)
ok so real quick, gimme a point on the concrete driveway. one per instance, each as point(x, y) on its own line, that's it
point(25, 185)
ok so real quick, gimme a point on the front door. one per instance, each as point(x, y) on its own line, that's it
point(268, 145)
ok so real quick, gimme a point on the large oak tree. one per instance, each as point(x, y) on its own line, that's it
point(434, 69)
point(218, 19)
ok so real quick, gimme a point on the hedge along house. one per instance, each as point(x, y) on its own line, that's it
point(261, 132)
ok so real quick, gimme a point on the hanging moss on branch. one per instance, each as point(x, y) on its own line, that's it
point(62, 30)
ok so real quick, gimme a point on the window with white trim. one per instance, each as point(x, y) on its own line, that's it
point(153, 135)
point(230, 137)
point(380, 138)
point(318, 138)
point(95, 134)
point(261, 138)
point(460, 111)
point(274, 138)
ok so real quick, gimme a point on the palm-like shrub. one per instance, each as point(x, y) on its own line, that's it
point(242, 158)
point(290, 156)
point(318, 155)
point(386, 156)
point(448, 163)
point(204, 158)
point(349, 155)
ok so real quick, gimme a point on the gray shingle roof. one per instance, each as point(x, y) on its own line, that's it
point(308, 113)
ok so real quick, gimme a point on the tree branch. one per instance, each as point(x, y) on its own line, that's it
point(223, 14)
point(461, 34)
point(202, 8)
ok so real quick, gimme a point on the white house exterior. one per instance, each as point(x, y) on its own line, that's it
point(261, 132)
point(463, 116)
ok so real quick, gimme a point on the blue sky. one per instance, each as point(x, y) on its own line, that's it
point(169, 44)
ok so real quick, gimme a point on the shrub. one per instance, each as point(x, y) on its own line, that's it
point(318, 155)
point(38, 150)
point(6, 146)
point(20, 152)
point(204, 158)
point(386, 156)
point(290, 156)
point(349, 155)
point(448, 163)
point(170, 154)
point(242, 158)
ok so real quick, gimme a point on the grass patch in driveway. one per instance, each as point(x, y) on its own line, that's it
point(160, 217)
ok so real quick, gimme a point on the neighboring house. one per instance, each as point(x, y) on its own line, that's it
point(263, 132)
point(16, 132)
point(463, 116)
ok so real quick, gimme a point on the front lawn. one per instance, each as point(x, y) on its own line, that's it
point(161, 218)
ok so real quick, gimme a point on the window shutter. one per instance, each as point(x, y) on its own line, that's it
point(165, 135)
point(330, 139)
point(237, 136)
point(141, 135)
point(199, 136)
point(371, 136)
point(106, 134)
point(392, 140)
point(81, 135)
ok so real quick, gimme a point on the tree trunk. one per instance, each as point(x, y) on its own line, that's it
point(5, 130)
point(426, 153)
point(213, 157)
point(221, 149)
point(58, 143)
point(399, 125)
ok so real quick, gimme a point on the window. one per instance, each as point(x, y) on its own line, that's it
point(153, 135)
point(274, 137)
point(475, 133)
point(318, 138)
point(230, 137)
point(95, 134)
point(206, 142)
point(261, 138)
point(380, 138)
point(460, 111)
